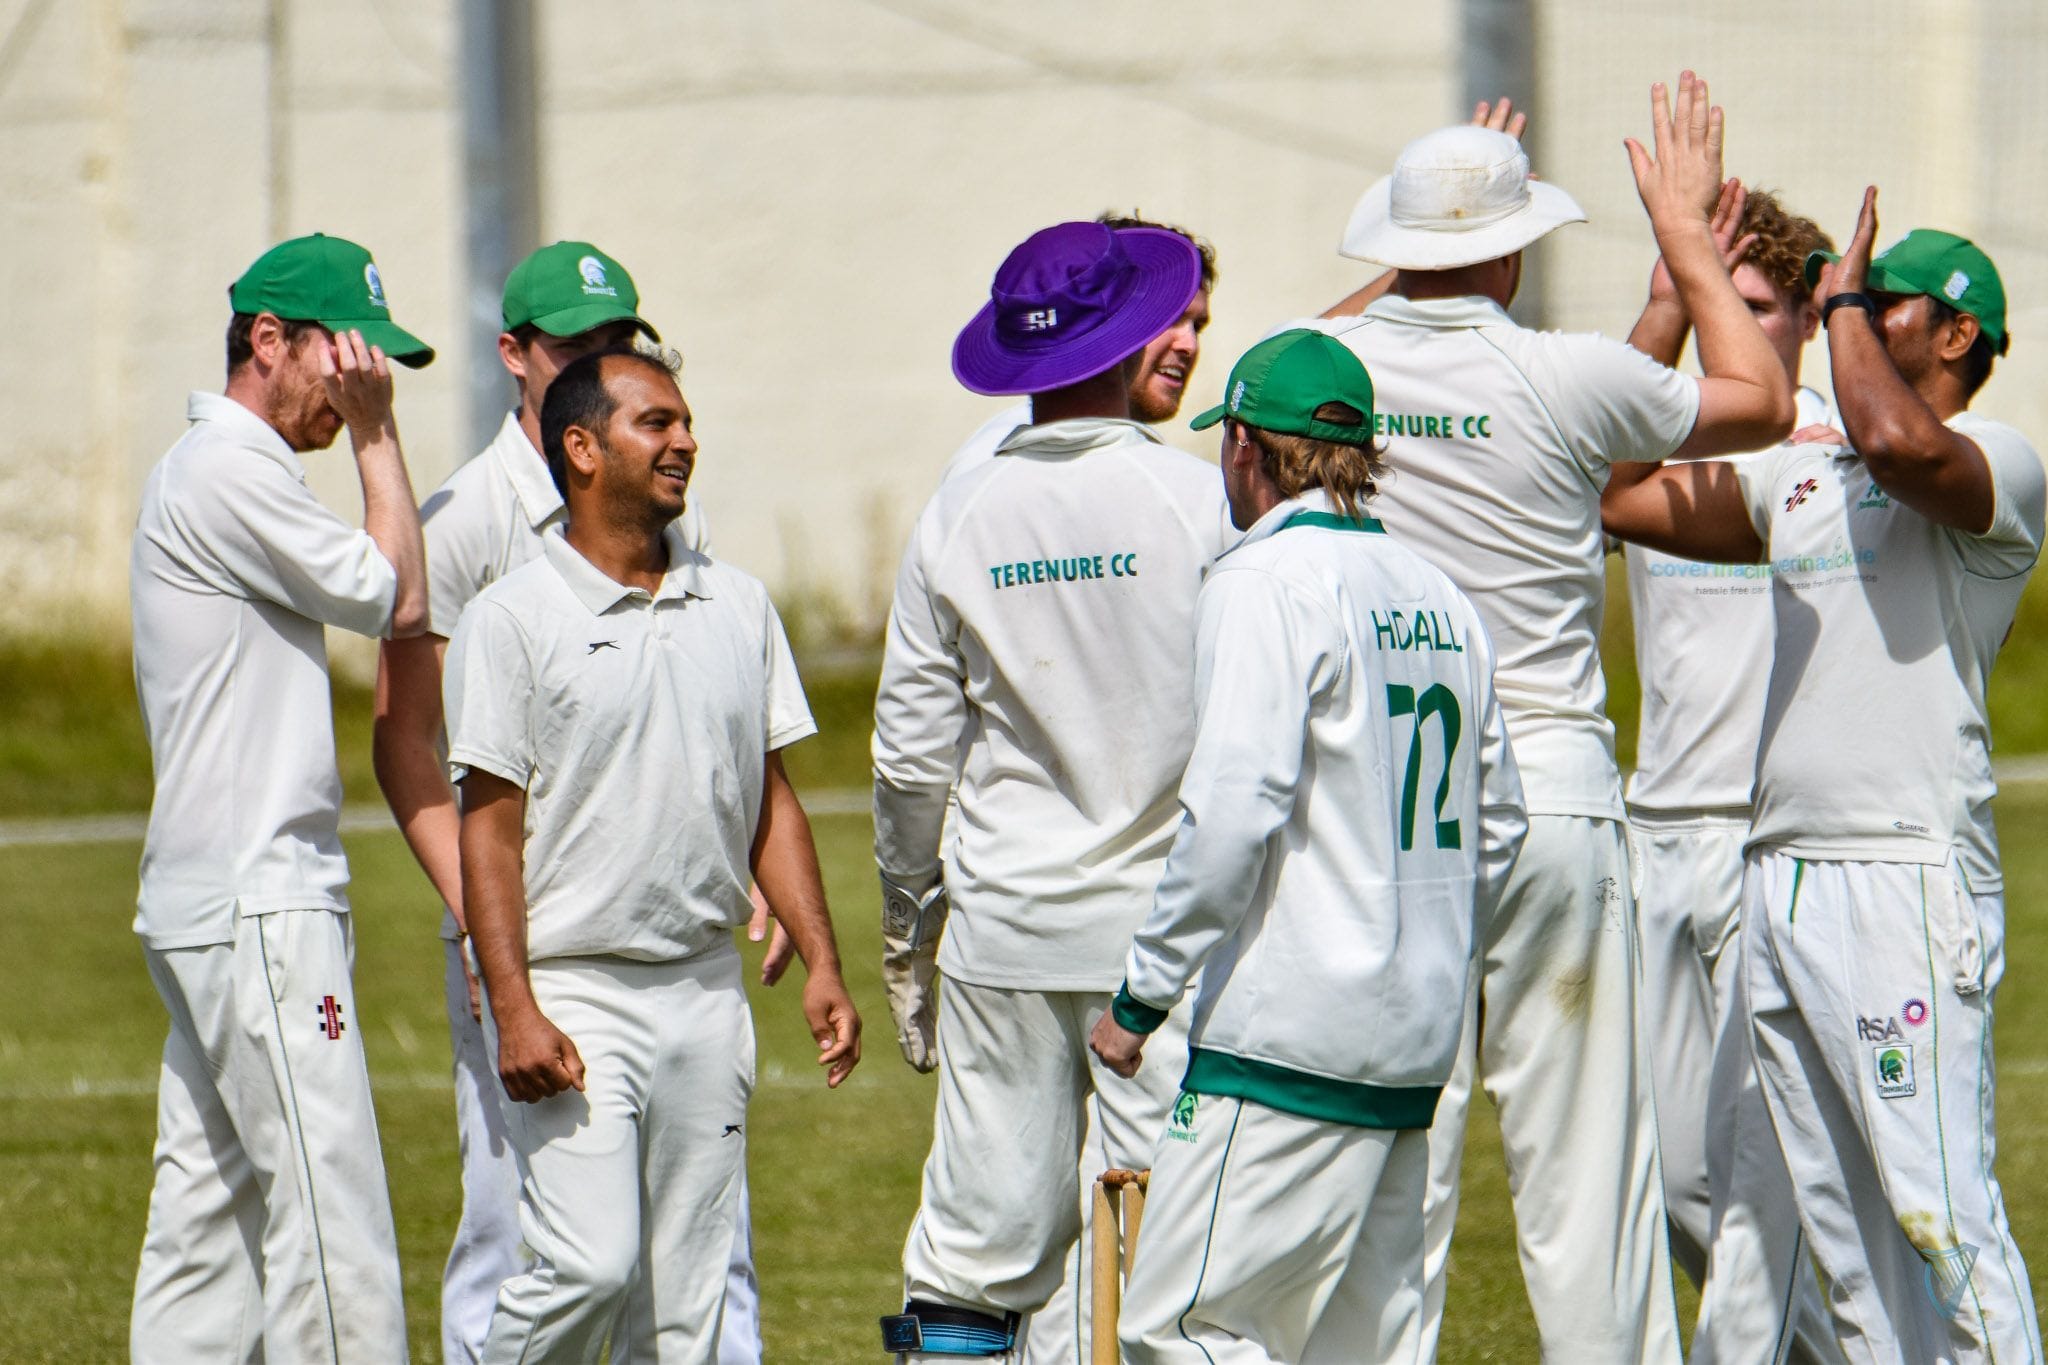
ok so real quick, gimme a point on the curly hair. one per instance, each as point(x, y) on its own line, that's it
point(1783, 242)
point(1117, 222)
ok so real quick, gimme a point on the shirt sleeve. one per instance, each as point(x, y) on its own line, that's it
point(1263, 658)
point(487, 696)
point(269, 539)
point(458, 558)
point(788, 710)
point(1615, 405)
point(920, 717)
point(2013, 542)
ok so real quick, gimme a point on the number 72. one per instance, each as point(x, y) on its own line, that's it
point(1439, 701)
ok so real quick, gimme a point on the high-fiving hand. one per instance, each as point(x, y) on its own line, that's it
point(1681, 184)
point(1852, 272)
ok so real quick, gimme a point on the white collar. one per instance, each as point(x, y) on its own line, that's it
point(1469, 310)
point(600, 593)
point(245, 428)
point(1313, 502)
point(527, 471)
point(1076, 435)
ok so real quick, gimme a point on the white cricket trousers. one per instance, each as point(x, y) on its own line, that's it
point(1734, 1226)
point(1870, 990)
point(1001, 1199)
point(1062, 1332)
point(629, 1193)
point(488, 1250)
point(1562, 1055)
point(1274, 1238)
point(270, 1233)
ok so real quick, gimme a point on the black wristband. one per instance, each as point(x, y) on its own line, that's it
point(1848, 300)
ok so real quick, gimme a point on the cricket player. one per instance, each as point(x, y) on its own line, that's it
point(1057, 1334)
point(1352, 810)
point(1037, 661)
point(270, 1233)
point(1703, 638)
point(616, 710)
point(1499, 439)
point(1164, 369)
point(561, 302)
point(1873, 920)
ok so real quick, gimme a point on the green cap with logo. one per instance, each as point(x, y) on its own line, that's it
point(1950, 268)
point(570, 287)
point(1278, 384)
point(331, 281)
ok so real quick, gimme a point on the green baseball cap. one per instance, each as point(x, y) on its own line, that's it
point(568, 288)
point(1278, 384)
point(1951, 268)
point(331, 281)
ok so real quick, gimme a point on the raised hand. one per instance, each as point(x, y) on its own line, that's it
point(357, 378)
point(1848, 275)
point(1501, 116)
point(1680, 184)
point(1727, 220)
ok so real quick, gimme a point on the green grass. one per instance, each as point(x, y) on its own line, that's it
point(834, 1173)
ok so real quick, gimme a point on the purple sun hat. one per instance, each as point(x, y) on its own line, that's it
point(1072, 301)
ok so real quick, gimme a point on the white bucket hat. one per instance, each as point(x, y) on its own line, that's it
point(1457, 196)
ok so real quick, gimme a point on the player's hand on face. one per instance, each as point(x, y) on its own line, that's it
point(1120, 1049)
point(536, 1059)
point(835, 1024)
point(1679, 178)
point(357, 377)
point(1501, 116)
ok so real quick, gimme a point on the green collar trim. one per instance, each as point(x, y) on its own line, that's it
point(1358, 1103)
point(1328, 522)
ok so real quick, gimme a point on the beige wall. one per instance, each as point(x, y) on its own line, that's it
point(812, 195)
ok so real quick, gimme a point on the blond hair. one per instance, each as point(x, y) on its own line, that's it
point(1295, 464)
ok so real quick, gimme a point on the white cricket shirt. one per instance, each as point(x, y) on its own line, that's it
point(488, 518)
point(639, 726)
point(1703, 637)
point(1876, 745)
point(1352, 811)
point(978, 449)
point(1499, 439)
point(1040, 653)
point(235, 571)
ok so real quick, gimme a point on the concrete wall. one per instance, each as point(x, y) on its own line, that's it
point(812, 195)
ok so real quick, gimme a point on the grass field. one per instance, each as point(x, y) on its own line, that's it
point(834, 1174)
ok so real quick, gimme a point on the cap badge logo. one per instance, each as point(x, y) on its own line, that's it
point(1237, 396)
point(1957, 283)
point(1042, 320)
point(376, 284)
point(592, 270)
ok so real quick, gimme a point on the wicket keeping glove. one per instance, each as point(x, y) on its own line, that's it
point(911, 923)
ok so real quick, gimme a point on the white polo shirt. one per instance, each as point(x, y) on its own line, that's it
point(1499, 439)
point(488, 517)
point(1040, 652)
point(1876, 744)
point(639, 726)
point(1703, 637)
point(235, 570)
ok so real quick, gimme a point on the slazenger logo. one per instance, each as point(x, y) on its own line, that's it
point(376, 284)
point(592, 270)
point(1801, 493)
point(1042, 320)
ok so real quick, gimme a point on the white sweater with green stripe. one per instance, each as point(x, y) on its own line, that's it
point(1351, 811)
